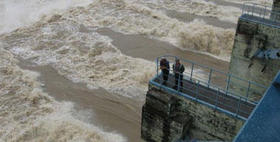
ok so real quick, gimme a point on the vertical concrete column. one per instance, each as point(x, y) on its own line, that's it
point(275, 15)
point(165, 117)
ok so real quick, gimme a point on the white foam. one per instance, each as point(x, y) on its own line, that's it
point(86, 56)
point(18, 13)
point(28, 114)
point(135, 18)
point(266, 2)
point(197, 7)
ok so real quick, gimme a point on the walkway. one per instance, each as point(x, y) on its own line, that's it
point(260, 14)
point(204, 90)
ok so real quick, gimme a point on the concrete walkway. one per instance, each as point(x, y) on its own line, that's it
point(213, 97)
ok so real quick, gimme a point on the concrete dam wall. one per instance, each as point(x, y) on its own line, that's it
point(173, 116)
point(169, 117)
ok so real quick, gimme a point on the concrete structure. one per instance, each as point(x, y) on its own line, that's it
point(168, 117)
point(200, 110)
point(263, 124)
point(276, 9)
point(196, 111)
point(258, 30)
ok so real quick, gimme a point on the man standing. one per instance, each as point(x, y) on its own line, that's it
point(164, 66)
point(178, 70)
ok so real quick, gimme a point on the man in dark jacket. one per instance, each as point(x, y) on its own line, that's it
point(178, 70)
point(164, 66)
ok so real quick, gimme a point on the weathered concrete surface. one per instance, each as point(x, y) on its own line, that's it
point(251, 36)
point(168, 117)
point(276, 9)
point(276, 6)
point(164, 118)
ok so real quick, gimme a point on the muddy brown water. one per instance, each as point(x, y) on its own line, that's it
point(188, 17)
point(140, 46)
point(226, 3)
point(113, 113)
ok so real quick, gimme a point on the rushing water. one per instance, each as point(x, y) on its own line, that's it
point(65, 36)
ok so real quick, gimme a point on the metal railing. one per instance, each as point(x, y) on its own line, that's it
point(264, 12)
point(227, 87)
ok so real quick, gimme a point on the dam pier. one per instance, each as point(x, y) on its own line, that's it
point(216, 106)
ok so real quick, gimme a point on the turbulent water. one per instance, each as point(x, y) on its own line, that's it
point(62, 33)
point(18, 13)
point(28, 114)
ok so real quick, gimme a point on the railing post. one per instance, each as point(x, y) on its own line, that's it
point(253, 10)
point(272, 16)
point(246, 8)
point(264, 12)
point(216, 99)
point(260, 12)
point(275, 16)
point(238, 107)
point(197, 90)
point(243, 8)
point(248, 91)
point(157, 66)
point(209, 78)
point(228, 82)
point(178, 84)
point(192, 71)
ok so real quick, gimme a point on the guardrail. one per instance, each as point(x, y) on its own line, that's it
point(261, 11)
point(223, 83)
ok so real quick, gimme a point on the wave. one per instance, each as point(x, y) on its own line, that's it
point(18, 13)
point(269, 2)
point(81, 56)
point(136, 17)
point(133, 18)
point(29, 114)
point(68, 41)
point(197, 7)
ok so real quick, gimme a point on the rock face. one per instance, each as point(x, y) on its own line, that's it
point(169, 117)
